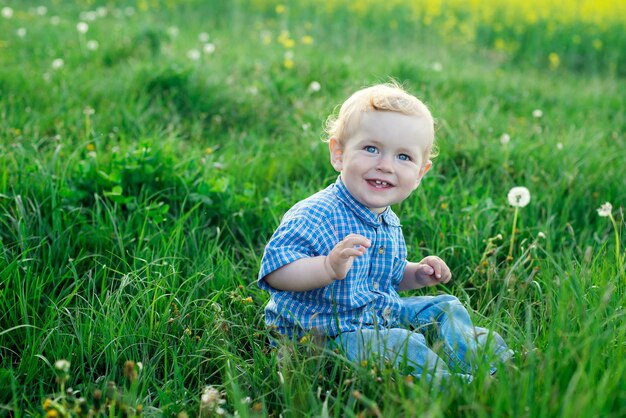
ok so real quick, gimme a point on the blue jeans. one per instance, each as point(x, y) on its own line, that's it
point(444, 321)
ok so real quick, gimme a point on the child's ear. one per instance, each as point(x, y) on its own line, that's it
point(336, 154)
point(427, 165)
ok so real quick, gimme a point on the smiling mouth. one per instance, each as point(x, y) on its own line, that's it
point(379, 184)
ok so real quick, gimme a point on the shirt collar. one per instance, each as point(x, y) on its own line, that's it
point(362, 211)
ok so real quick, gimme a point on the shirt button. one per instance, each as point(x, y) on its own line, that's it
point(381, 250)
point(375, 286)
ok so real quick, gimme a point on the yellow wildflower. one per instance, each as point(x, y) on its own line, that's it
point(280, 9)
point(307, 39)
point(554, 59)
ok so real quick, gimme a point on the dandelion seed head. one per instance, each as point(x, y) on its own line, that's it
point(21, 32)
point(315, 86)
point(505, 138)
point(193, 54)
point(208, 48)
point(173, 31)
point(437, 66)
point(62, 365)
point(55, 20)
point(7, 12)
point(82, 27)
point(41, 10)
point(92, 45)
point(57, 63)
point(518, 196)
point(203, 37)
point(537, 113)
point(559, 146)
point(605, 210)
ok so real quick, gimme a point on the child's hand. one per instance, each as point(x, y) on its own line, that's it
point(431, 271)
point(340, 259)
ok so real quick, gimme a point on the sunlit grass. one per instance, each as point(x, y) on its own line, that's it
point(139, 184)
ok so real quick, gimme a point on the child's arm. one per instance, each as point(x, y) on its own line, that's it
point(428, 272)
point(314, 272)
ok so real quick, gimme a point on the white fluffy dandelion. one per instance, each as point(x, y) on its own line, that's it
point(57, 63)
point(193, 54)
point(315, 86)
point(92, 45)
point(21, 32)
point(208, 48)
point(605, 210)
point(537, 113)
point(519, 196)
point(7, 12)
point(173, 31)
point(62, 366)
point(437, 66)
point(203, 37)
point(55, 20)
point(82, 27)
point(41, 10)
point(505, 138)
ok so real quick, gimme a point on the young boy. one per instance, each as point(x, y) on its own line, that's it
point(337, 261)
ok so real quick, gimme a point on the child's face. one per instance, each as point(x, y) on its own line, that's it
point(384, 159)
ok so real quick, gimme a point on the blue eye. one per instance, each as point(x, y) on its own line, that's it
point(371, 148)
point(404, 157)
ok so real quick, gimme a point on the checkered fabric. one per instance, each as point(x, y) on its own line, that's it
point(367, 297)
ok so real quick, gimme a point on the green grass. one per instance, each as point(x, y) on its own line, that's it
point(135, 233)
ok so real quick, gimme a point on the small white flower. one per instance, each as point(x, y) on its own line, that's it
point(92, 45)
point(605, 210)
point(193, 54)
point(102, 11)
point(41, 10)
point(315, 86)
point(541, 235)
point(21, 32)
point(208, 48)
point(89, 111)
point(140, 365)
point(89, 16)
point(62, 366)
point(57, 63)
point(173, 31)
point(519, 196)
point(437, 66)
point(505, 138)
point(253, 90)
point(55, 20)
point(537, 113)
point(559, 146)
point(7, 12)
point(289, 55)
point(92, 154)
point(203, 37)
point(82, 27)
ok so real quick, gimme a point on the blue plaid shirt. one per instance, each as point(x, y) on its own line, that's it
point(367, 297)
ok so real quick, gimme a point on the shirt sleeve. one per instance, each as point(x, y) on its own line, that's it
point(296, 238)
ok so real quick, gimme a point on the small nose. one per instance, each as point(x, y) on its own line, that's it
point(384, 164)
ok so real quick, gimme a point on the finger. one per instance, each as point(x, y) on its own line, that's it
point(425, 269)
point(446, 275)
point(436, 265)
point(351, 252)
point(353, 240)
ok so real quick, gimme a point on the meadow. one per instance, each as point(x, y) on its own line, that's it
point(148, 150)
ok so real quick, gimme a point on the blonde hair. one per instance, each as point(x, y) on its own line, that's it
point(389, 97)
